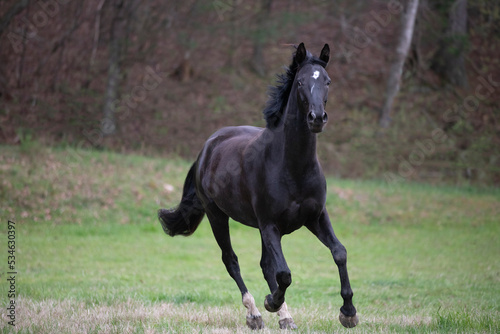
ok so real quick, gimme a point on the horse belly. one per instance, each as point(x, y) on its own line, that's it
point(241, 213)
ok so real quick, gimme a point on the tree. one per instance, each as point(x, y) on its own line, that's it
point(396, 70)
point(259, 35)
point(5, 21)
point(448, 61)
point(117, 39)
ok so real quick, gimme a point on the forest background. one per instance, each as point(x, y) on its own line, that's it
point(158, 77)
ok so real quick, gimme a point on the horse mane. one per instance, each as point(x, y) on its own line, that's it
point(279, 94)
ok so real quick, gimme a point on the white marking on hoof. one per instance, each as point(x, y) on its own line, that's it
point(315, 75)
point(254, 318)
point(286, 321)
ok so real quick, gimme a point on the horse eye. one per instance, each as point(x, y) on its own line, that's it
point(328, 83)
point(300, 83)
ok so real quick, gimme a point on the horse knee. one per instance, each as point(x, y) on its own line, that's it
point(284, 279)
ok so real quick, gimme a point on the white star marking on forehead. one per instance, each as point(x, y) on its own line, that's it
point(315, 75)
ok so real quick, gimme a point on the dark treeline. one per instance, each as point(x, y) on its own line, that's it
point(408, 101)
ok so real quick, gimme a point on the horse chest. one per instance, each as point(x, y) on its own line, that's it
point(290, 210)
point(293, 204)
point(301, 212)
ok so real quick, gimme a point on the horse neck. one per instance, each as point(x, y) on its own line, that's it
point(298, 143)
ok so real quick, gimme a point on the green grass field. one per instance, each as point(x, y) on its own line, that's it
point(91, 256)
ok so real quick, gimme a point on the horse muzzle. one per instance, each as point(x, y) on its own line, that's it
point(316, 123)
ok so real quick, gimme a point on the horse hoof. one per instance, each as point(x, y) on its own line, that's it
point(348, 322)
point(255, 322)
point(287, 323)
point(269, 305)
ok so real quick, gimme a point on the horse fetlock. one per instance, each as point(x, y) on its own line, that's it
point(271, 306)
point(347, 294)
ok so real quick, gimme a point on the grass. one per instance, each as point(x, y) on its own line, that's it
point(92, 258)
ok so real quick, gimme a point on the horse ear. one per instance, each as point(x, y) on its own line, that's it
point(325, 54)
point(301, 54)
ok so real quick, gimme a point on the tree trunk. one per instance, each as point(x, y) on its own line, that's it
point(258, 62)
point(449, 60)
point(108, 124)
point(396, 70)
point(5, 20)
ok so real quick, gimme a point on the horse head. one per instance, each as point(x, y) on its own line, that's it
point(312, 82)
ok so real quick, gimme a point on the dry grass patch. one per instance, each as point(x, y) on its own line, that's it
point(70, 316)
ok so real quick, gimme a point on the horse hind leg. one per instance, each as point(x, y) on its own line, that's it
point(220, 227)
point(254, 318)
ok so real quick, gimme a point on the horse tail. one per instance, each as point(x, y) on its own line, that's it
point(184, 219)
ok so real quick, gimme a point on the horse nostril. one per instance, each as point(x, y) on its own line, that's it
point(311, 117)
point(325, 117)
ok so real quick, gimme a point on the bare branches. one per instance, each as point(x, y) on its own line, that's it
point(16, 8)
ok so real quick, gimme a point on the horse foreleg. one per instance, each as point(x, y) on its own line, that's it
point(324, 231)
point(266, 263)
point(277, 274)
point(286, 321)
point(271, 240)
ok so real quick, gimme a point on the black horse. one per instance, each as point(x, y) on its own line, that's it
point(268, 178)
